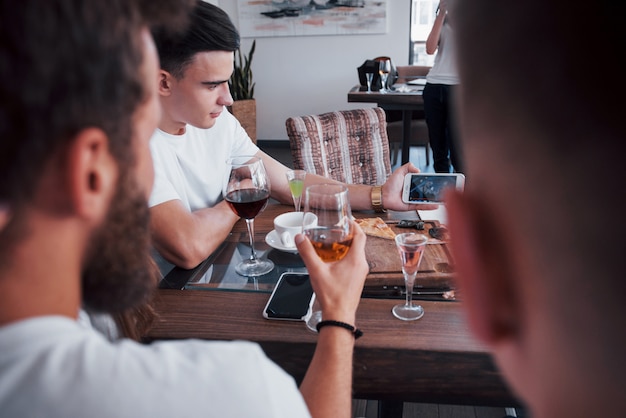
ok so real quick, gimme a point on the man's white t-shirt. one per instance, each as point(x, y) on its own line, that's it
point(55, 367)
point(192, 167)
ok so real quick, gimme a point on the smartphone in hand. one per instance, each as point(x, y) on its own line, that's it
point(429, 187)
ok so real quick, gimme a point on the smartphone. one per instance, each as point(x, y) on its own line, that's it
point(429, 187)
point(291, 299)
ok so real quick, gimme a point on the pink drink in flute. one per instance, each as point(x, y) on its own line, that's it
point(411, 248)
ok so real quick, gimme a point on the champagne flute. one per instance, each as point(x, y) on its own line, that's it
point(296, 186)
point(326, 223)
point(368, 79)
point(384, 68)
point(411, 248)
point(247, 192)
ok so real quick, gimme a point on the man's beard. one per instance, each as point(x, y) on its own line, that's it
point(119, 272)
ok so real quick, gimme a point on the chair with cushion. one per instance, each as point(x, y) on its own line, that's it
point(350, 146)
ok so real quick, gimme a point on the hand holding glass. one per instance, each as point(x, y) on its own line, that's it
point(296, 186)
point(326, 223)
point(247, 192)
point(411, 248)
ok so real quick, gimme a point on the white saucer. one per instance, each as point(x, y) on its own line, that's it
point(273, 240)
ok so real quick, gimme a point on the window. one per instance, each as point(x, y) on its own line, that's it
point(422, 18)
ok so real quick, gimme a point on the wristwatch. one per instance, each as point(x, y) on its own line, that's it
point(377, 199)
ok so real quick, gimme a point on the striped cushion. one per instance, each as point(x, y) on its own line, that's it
point(350, 146)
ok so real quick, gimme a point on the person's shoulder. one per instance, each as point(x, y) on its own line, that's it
point(161, 142)
point(76, 359)
point(158, 136)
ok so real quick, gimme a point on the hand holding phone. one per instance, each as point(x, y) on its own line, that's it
point(429, 187)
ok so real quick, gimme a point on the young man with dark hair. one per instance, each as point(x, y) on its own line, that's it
point(538, 233)
point(78, 81)
point(197, 135)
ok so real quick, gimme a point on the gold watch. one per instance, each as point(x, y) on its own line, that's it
point(377, 199)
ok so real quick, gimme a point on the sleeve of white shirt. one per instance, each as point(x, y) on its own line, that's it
point(162, 189)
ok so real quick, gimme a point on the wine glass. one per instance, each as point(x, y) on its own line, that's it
point(296, 186)
point(326, 223)
point(384, 68)
point(247, 192)
point(368, 79)
point(411, 248)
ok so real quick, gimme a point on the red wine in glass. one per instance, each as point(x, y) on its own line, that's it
point(247, 191)
point(247, 203)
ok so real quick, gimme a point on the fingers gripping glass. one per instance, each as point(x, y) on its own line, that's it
point(247, 192)
point(326, 223)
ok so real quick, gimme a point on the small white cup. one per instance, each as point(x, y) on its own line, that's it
point(287, 226)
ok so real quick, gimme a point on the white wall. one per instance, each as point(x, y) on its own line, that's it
point(312, 74)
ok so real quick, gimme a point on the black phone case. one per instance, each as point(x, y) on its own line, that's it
point(292, 292)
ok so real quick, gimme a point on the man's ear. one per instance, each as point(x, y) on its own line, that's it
point(165, 83)
point(92, 173)
point(485, 276)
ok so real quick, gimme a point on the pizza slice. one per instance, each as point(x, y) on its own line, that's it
point(376, 227)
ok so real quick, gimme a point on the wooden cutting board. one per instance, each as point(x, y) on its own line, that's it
point(436, 265)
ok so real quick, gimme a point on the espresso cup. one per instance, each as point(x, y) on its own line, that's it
point(287, 226)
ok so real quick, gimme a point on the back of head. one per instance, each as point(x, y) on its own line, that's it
point(548, 59)
point(543, 132)
point(210, 29)
point(550, 124)
point(65, 66)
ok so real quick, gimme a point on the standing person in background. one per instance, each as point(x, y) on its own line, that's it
point(543, 286)
point(438, 92)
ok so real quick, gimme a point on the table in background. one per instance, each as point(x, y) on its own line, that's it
point(433, 360)
point(404, 98)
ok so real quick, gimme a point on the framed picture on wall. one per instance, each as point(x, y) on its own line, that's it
point(311, 17)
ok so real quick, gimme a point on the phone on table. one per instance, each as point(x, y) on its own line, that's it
point(291, 299)
point(429, 187)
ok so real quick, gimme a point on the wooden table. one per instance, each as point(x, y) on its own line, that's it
point(434, 359)
point(406, 102)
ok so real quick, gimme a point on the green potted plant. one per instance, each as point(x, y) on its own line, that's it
point(242, 91)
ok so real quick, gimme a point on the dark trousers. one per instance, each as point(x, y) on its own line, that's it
point(442, 129)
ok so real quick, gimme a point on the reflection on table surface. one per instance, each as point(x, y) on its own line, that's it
point(217, 272)
point(220, 268)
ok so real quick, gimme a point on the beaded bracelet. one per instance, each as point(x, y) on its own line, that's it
point(355, 331)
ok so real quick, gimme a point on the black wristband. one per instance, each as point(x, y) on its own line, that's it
point(355, 331)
